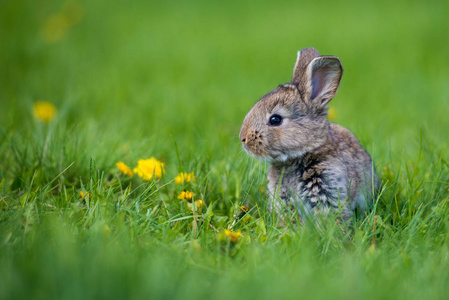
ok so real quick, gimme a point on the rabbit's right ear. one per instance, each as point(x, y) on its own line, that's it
point(322, 79)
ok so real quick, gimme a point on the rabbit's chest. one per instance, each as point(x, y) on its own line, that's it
point(303, 186)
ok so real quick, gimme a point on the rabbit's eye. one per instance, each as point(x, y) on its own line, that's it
point(275, 120)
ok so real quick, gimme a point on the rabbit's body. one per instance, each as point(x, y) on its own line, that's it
point(316, 167)
point(335, 176)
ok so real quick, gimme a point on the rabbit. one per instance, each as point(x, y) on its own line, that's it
point(317, 167)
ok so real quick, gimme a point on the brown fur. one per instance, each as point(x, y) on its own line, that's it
point(323, 167)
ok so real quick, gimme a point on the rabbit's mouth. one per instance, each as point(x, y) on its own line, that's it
point(258, 156)
point(276, 156)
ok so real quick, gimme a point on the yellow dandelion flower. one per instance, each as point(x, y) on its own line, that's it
point(186, 195)
point(55, 28)
point(84, 195)
point(44, 111)
point(199, 204)
point(124, 169)
point(180, 178)
point(332, 114)
point(184, 177)
point(74, 11)
point(232, 236)
point(149, 168)
point(196, 206)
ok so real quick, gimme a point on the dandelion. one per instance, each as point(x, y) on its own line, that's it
point(196, 205)
point(332, 114)
point(199, 203)
point(84, 195)
point(186, 195)
point(44, 111)
point(149, 168)
point(184, 177)
point(55, 28)
point(124, 169)
point(74, 11)
point(232, 236)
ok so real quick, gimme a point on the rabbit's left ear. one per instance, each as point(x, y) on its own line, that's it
point(323, 76)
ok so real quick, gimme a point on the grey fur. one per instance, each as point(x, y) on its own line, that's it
point(323, 167)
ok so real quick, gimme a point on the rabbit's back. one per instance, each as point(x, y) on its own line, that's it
point(359, 165)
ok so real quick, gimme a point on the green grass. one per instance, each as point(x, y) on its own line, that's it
point(174, 81)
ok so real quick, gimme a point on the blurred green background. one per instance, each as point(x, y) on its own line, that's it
point(149, 70)
point(174, 80)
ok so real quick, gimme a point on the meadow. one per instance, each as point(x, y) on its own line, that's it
point(124, 81)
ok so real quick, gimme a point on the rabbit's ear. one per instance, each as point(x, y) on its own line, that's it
point(305, 56)
point(323, 76)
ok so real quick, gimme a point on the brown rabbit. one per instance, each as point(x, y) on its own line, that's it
point(316, 166)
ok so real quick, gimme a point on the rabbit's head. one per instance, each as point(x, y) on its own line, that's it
point(291, 120)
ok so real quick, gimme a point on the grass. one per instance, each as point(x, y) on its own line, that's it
point(174, 80)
